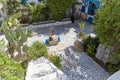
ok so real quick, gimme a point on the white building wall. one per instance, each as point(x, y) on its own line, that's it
point(79, 0)
point(2, 13)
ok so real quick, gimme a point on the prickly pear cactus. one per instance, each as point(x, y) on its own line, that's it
point(15, 34)
point(2, 47)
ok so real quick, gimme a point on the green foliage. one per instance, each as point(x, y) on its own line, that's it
point(82, 33)
point(46, 12)
point(107, 25)
point(2, 47)
point(82, 25)
point(37, 50)
point(12, 6)
point(24, 63)
point(90, 45)
point(59, 7)
point(111, 68)
point(16, 37)
point(35, 11)
point(56, 61)
point(91, 50)
point(9, 70)
point(26, 60)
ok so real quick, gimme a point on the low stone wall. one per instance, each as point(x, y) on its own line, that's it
point(47, 25)
point(106, 54)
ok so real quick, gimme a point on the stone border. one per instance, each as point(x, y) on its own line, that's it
point(45, 22)
point(47, 25)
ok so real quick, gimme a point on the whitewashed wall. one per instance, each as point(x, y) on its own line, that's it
point(2, 13)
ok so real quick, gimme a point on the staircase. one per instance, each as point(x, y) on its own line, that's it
point(42, 69)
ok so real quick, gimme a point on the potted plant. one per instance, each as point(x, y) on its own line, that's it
point(81, 34)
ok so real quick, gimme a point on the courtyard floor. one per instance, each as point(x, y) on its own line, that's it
point(76, 65)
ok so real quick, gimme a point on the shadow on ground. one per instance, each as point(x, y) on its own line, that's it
point(64, 29)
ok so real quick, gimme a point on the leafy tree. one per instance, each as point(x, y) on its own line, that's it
point(107, 25)
point(59, 7)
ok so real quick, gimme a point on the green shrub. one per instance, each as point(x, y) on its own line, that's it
point(112, 68)
point(26, 60)
point(56, 61)
point(24, 63)
point(90, 45)
point(35, 11)
point(9, 70)
point(108, 28)
point(37, 50)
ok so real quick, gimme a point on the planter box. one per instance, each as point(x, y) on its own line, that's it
point(78, 45)
point(84, 16)
point(53, 42)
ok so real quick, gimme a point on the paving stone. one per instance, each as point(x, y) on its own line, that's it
point(76, 65)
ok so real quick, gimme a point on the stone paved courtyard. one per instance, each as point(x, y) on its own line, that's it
point(76, 65)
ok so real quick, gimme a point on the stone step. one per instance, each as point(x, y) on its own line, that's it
point(51, 76)
point(43, 69)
